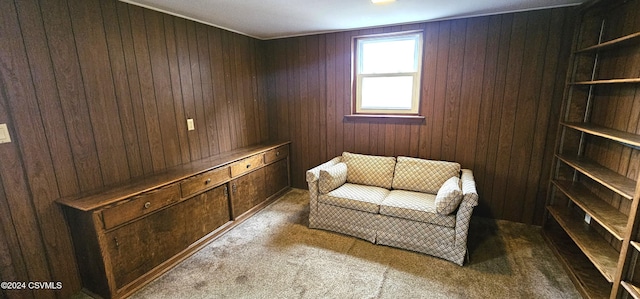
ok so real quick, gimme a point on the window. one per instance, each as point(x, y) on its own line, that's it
point(387, 73)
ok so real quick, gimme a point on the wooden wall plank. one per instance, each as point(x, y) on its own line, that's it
point(453, 84)
point(24, 233)
point(53, 118)
point(143, 62)
point(95, 69)
point(162, 87)
point(529, 102)
point(121, 85)
point(471, 89)
point(509, 109)
point(211, 127)
point(12, 265)
point(486, 110)
point(440, 74)
point(199, 117)
point(188, 97)
point(33, 176)
point(219, 91)
point(322, 94)
point(96, 93)
point(332, 114)
point(491, 174)
point(230, 96)
point(71, 92)
point(134, 87)
point(176, 89)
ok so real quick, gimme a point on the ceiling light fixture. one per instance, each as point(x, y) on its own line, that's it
point(382, 1)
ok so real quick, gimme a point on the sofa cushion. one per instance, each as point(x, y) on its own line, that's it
point(449, 196)
point(423, 175)
point(369, 170)
point(357, 197)
point(332, 177)
point(415, 206)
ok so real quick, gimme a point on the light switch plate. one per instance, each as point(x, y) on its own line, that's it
point(4, 134)
point(190, 126)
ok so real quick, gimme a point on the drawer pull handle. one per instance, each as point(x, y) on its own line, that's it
point(248, 165)
point(147, 205)
point(117, 243)
point(277, 153)
point(207, 181)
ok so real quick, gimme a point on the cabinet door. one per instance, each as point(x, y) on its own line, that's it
point(140, 246)
point(276, 177)
point(247, 191)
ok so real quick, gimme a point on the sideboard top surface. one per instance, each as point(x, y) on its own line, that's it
point(98, 198)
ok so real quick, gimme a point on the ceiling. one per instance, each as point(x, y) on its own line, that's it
point(270, 19)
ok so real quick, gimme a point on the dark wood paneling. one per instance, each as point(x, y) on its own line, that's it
point(489, 93)
point(96, 93)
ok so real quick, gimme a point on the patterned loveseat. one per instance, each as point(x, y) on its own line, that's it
point(416, 204)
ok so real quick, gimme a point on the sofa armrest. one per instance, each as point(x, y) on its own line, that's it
point(469, 201)
point(469, 188)
point(313, 175)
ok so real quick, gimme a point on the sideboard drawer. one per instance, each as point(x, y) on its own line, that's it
point(204, 181)
point(140, 205)
point(246, 165)
point(276, 154)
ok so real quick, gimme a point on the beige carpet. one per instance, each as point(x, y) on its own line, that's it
point(275, 255)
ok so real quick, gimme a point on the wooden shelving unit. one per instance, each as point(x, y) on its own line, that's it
point(608, 81)
point(598, 251)
point(609, 217)
point(591, 219)
point(604, 132)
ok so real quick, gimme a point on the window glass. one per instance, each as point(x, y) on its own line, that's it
point(388, 74)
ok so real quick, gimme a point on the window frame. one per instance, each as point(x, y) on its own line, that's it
point(357, 78)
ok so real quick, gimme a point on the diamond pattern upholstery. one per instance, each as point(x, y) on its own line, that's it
point(399, 218)
point(369, 170)
point(449, 196)
point(355, 223)
point(415, 206)
point(356, 197)
point(332, 177)
point(423, 175)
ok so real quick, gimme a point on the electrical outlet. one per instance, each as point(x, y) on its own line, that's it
point(190, 125)
point(587, 218)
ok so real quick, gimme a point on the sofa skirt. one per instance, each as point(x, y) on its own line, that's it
point(355, 223)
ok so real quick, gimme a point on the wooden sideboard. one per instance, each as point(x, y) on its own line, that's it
point(126, 235)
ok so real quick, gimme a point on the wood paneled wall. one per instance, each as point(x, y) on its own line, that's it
point(97, 92)
point(491, 93)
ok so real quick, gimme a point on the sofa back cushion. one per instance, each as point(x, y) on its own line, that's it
point(423, 175)
point(369, 170)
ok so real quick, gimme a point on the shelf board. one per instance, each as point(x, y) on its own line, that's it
point(609, 217)
point(633, 290)
point(607, 177)
point(611, 43)
point(620, 136)
point(597, 250)
point(585, 276)
point(607, 81)
point(635, 245)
